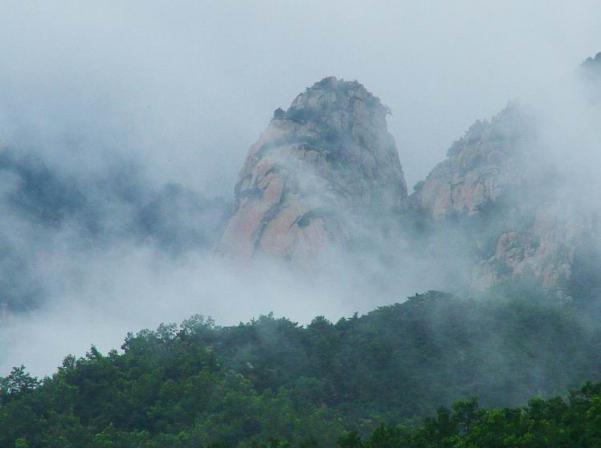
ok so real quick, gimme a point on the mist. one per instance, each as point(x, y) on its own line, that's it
point(185, 86)
point(124, 103)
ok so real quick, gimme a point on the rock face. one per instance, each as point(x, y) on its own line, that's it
point(326, 173)
point(509, 203)
point(315, 175)
point(479, 167)
point(543, 251)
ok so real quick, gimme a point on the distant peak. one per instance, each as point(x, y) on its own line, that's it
point(593, 61)
point(332, 89)
point(333, 96)
point(592, 66)
point(329, 81)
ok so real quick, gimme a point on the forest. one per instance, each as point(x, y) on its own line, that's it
point(411, 374)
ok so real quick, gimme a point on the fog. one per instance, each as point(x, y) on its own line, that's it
point(152, 93)
point(186, 84)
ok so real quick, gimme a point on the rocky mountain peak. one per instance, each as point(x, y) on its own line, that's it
point(338, 103)
point(496, 186)
point(479, 166)
point(326, 173)
point(319, 168)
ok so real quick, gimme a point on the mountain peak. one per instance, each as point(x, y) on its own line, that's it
point(337, 99)
point(334, 90)
point(327, 156)
point(593, 61)
point(591, 69)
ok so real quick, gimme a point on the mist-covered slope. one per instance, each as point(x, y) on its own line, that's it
point(273, 380)
point(48, 212)
point(326, 174)
point(521, 216)
point(129, 196)
point(323, 187)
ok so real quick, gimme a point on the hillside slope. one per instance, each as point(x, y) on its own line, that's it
point(200, 384)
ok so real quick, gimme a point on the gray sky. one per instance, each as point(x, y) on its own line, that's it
point(190, 85)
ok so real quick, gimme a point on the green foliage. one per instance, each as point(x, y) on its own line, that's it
point(557, 422)
point(18, 381)
point(274, 383)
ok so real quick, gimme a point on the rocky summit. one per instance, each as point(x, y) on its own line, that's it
point(479, 168)
point(326, 174)
point(510, 204)
point(318, 170)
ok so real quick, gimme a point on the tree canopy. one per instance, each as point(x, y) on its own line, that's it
point(388, 378)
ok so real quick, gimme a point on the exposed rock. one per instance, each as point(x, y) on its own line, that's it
point(479, 166)
point(319, 170)
point(326, 171)
point(543, 252)
point(496, 178)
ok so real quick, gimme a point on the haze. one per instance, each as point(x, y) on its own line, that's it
point(190, 85)
point(184, 88)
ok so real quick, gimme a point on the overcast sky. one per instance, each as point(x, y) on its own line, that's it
point(190, 85)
